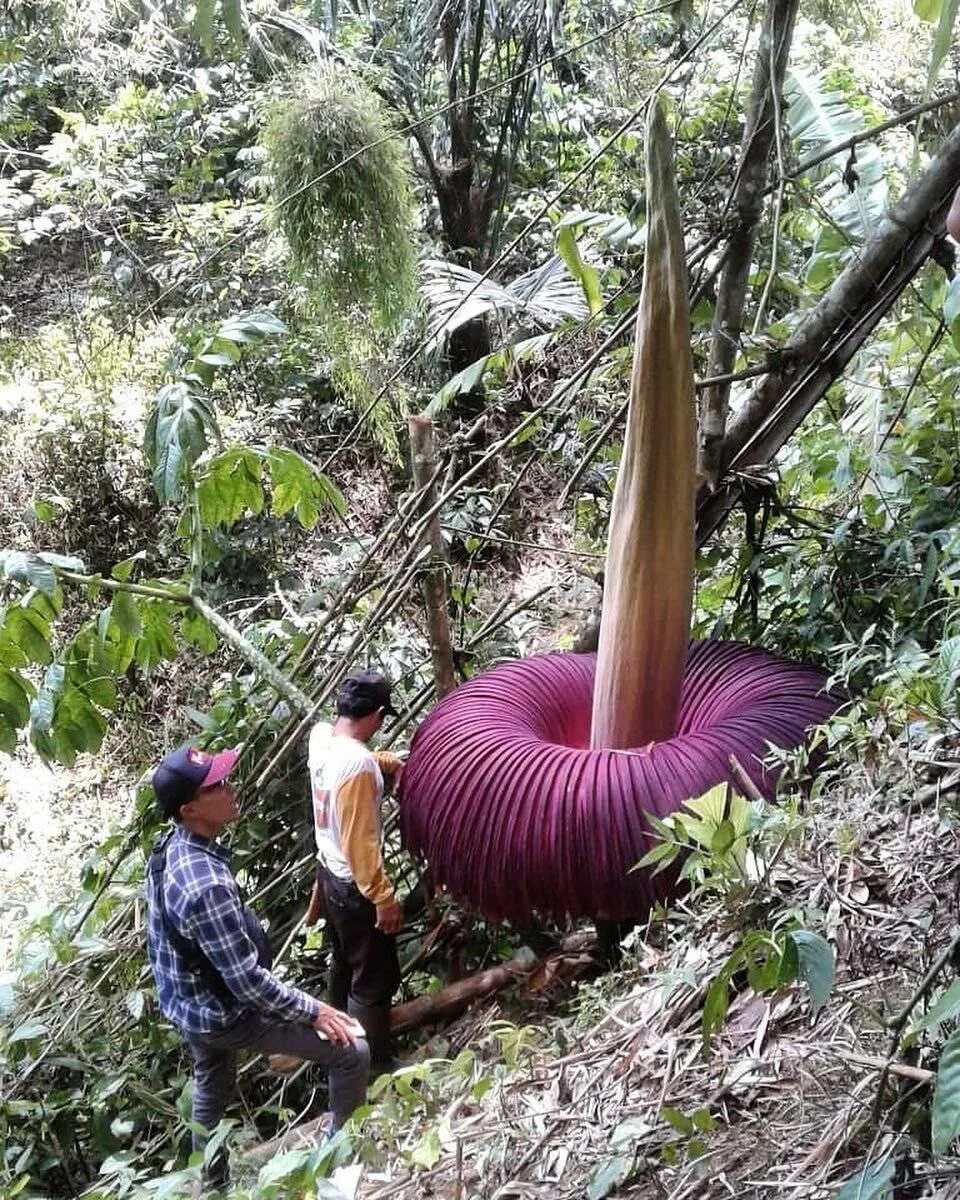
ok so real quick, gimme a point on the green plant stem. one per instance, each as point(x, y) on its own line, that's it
point(256, 658)
point(171, 594)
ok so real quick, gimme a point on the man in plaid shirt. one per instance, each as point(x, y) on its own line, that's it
point(211, 961)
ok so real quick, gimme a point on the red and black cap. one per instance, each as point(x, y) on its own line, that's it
point(179, 775)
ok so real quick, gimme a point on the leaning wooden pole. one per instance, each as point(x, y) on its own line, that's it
point(648, 592)
point(434, 579)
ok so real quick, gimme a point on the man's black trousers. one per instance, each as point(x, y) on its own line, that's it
point(364, 971)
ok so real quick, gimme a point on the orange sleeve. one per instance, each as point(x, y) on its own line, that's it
point(389, 763)
point(359, 836)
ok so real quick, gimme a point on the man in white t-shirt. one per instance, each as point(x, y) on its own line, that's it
point(352, 891)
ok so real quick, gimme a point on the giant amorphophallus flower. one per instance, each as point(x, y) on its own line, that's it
point(527, 788)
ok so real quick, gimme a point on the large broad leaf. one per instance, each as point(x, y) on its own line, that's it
point(874, 1182)
point(456, 295)
point(943, 39)
point(178, 432)
point(816, 965)
point(470, 378)
point(30, 569)
point(230, 485)
point(945, 1008)
point(297, 484)
point(30, 632)
point(251, 327)
point(819, 118)
point(945, 1117)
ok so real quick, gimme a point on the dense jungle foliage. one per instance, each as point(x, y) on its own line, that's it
point(241, 242)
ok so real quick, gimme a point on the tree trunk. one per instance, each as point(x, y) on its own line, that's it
point(835, 328)
point(435, 596)
point(746, 201)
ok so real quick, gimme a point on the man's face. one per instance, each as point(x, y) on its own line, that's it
point(366, 726)
point(217, 804)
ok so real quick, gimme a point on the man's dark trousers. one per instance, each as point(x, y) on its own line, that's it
point(215, 1069)
point(364, 970)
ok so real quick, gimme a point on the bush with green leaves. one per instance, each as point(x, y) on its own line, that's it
point(342, 197)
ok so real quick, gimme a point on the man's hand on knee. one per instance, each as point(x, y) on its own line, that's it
point(336, 1026)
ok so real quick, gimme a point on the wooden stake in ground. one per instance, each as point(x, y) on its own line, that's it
point(435, 597)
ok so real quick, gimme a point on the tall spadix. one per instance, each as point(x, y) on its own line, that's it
point(648, 586)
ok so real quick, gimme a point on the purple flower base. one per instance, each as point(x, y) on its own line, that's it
point(517, 815)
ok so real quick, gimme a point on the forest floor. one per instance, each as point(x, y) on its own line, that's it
point(608, 1089)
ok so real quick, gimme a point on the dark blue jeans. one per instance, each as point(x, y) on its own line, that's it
point(215, 1069)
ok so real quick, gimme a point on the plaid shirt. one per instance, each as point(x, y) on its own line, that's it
point(203, 903)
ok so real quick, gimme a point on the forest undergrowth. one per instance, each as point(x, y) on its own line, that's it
point(208, 479)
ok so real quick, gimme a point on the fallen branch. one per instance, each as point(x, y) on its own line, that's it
point(451, 1001)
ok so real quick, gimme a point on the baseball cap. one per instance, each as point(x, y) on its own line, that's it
point(181, 772)
point(365, 691)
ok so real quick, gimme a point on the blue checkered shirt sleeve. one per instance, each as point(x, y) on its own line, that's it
point(215, 922)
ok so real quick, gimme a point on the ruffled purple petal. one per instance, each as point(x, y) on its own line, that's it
point(515, 813)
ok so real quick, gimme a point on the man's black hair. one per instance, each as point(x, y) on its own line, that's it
point(355, 707)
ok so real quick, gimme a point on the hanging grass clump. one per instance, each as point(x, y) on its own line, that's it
point(349, 227)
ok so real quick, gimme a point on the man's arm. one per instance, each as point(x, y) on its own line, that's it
point(388, 762)
point(216, 924)
point(359, 836)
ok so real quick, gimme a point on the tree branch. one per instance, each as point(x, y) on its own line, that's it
point(747, 202)
point(835, 328)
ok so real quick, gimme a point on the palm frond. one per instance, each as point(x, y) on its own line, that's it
point(819, 118)
point(543, 298)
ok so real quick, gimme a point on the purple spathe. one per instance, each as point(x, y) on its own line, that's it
point(515, 814)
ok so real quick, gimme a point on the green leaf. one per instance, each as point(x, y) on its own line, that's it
point(723, 838)
point(198, 631)
point(233, 18)
point(297, 485)
point(816, 966)
point(30, 633)
point(928, 10)
point(123, 570)
point(27, 1032)
point(587, 276)
point(943, 38)
point(427, 1151)
point(607, 1176)
point(662, 850)
point(465, 381)
point(715, 1005)
point(15, 695)
point(945, 1115)
point(203, 23)
point(945, 1008)
point(874, 1182)
point(157, 642)
point(677, 1120)
point(30, 569)
point(178, 431)
point(229, 486)
point(125, 615)
point(951, 302)
point(251, 327)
